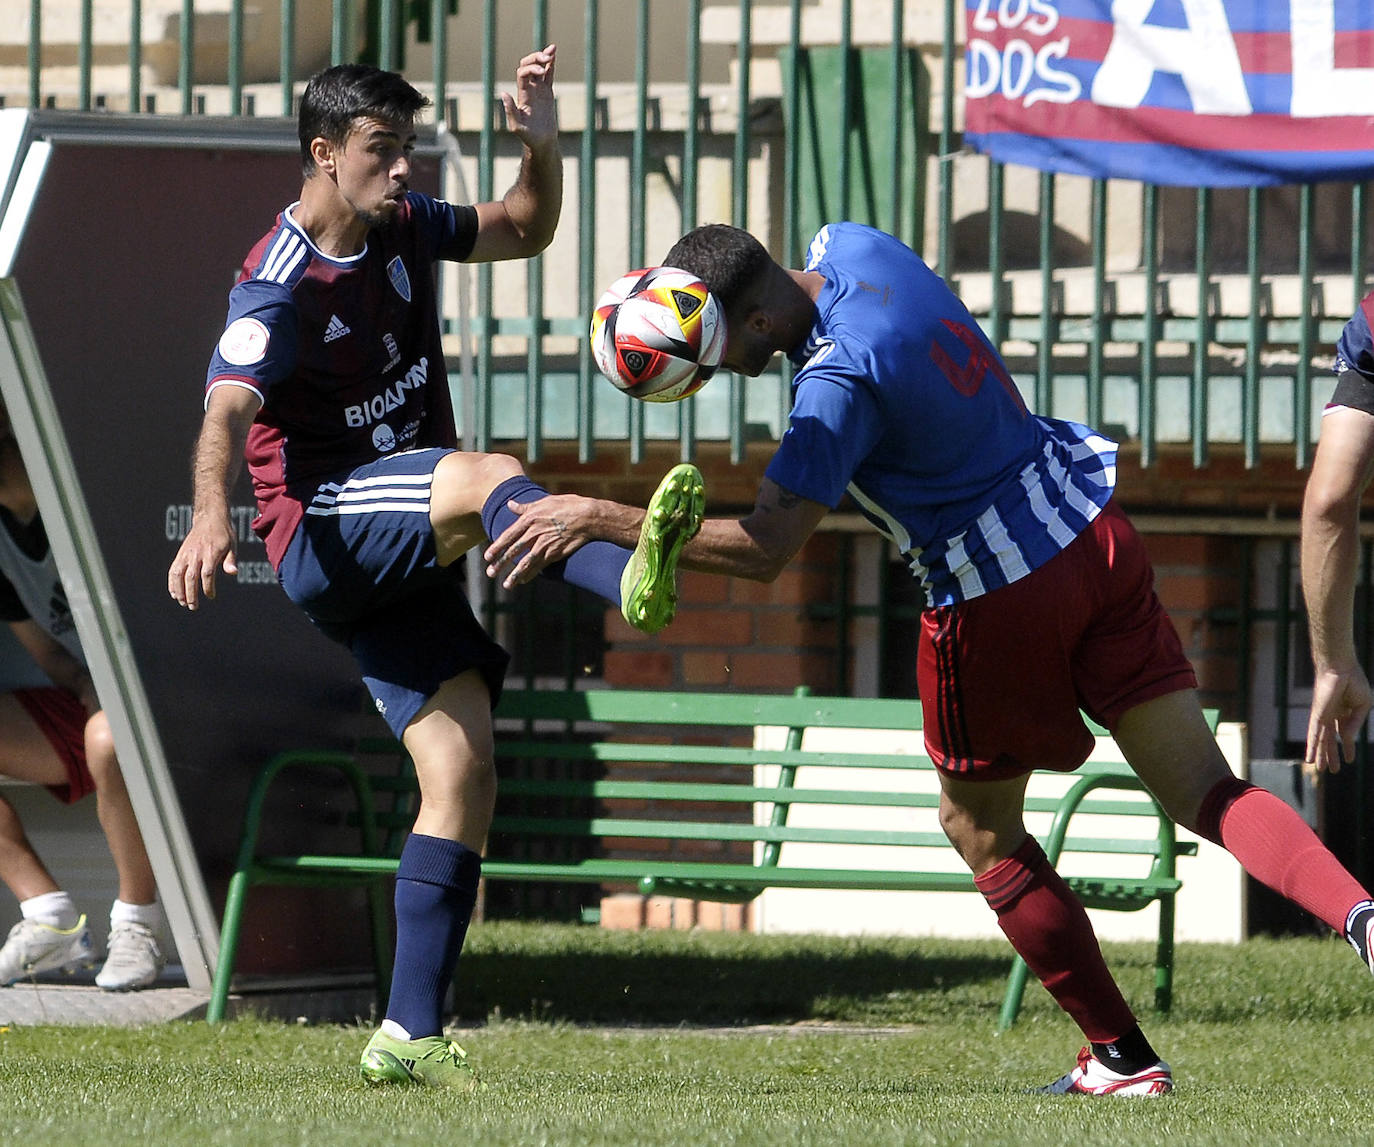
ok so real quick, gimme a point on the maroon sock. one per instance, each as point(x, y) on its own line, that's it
point(1048, 927)
point(1275, 846)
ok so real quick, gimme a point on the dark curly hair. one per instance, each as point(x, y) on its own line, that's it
point(730, 261)
point(337, 96)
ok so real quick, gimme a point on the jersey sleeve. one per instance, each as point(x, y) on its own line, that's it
point(836, 422)
point(451, 227)
point(258, 346)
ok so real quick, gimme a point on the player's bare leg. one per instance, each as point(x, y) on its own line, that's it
point(21, 869)
point(52, 934)
point(1047, 926)
point(1171, 748)
point(451, 742)
point(1168, 744)
point(116, 814)
point(134, 956)
point(453, 747)
point(983, 819)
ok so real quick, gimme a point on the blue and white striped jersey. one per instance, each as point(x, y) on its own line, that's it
point(901, 401)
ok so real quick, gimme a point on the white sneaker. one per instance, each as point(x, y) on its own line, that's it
point(33, 947)
point(1093, 1077)
point(134, 958)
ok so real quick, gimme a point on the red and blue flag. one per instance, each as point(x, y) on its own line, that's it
point(1200, 93)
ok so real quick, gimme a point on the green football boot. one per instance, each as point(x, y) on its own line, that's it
point(648, 587)
point(432, 1060)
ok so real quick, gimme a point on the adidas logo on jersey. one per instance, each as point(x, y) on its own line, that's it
point(336, 329)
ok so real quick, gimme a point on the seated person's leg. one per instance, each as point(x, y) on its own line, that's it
point(136, 883)
point(52, 934)
point(134, 957)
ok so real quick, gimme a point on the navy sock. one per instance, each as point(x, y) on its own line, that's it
point(436, 888)
point(595, 566)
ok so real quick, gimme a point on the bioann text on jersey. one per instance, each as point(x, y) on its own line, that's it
point(392, 398)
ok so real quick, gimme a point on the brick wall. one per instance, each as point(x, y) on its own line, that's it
point(732, 634)
point(743, 635)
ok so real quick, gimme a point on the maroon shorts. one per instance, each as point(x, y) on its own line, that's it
point(62, 719)
point(1003, 676)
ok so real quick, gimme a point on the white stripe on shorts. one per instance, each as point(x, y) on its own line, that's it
point(398, 493)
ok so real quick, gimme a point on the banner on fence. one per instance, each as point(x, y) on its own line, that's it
point(1200, 93)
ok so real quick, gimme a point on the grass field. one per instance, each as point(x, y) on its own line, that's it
point(583, 1036)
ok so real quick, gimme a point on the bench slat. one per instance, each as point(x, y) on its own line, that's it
point(627, 871)
point(709, 710)
point(574, 788)
point(603, 827)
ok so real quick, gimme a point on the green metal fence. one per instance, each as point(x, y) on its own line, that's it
point(1167, 315)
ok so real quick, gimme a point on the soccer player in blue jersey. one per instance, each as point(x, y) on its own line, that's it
point(330, 379)
point(1039, 594)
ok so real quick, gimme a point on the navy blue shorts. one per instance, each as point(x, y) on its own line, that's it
point(362, 564)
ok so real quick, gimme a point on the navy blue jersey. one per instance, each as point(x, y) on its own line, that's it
point(1355, 361)
point(901, 401)
point(344, 353)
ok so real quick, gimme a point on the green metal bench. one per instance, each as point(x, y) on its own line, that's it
point(671, 794)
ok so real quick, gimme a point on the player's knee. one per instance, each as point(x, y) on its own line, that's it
point(493, 469)
point(957, 824)
point(463, 482)
point(100, 752)
point(462, 778)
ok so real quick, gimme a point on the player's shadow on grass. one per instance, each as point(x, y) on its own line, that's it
point(658, 987)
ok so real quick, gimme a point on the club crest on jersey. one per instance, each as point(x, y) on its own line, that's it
point(396, 272)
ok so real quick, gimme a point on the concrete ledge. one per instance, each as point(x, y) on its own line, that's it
point(82, 1005)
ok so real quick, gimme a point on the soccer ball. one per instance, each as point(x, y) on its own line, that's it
point(658, 334)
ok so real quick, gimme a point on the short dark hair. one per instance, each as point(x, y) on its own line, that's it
point(729, 260)
point(337, 96)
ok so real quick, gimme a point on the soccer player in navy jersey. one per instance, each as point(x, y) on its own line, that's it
point(1341, 471)
point(1039, 594)
point(330, 379)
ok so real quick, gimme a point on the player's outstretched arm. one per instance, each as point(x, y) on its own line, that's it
point(209, 545)
point(522, 223)
point(1341, 471)
point(756, 548)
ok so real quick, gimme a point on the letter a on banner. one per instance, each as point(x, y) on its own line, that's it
point(1200, 93)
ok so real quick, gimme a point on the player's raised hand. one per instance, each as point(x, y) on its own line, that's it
point(531, 113)
point(207, 548)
